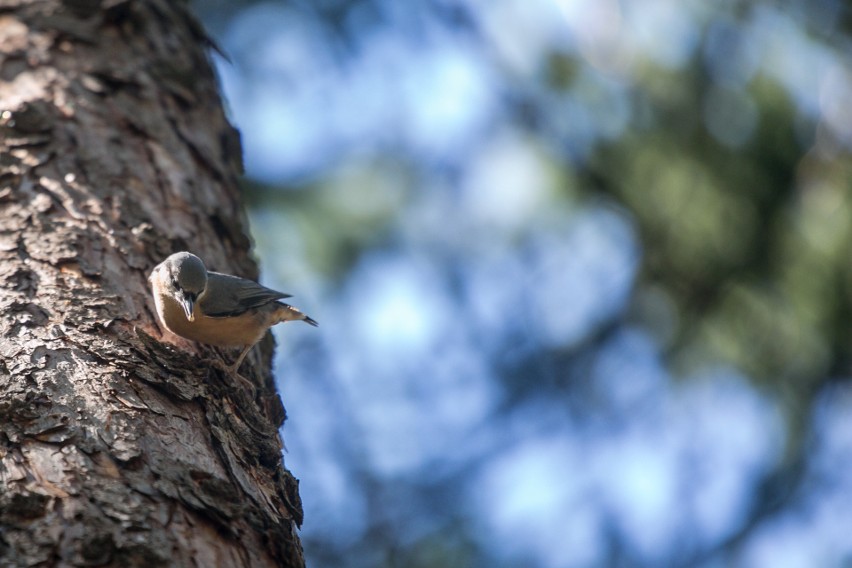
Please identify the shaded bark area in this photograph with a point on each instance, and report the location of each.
(120, 445)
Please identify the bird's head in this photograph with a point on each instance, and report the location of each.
(184, 278)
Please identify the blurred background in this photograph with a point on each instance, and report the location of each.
(582, 270)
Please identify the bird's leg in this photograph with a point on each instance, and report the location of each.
(233, 368)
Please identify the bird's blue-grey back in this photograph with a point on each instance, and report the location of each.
(228, 296)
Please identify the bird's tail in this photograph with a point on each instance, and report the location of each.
(286, 312)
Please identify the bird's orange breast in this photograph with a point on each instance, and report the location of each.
(244, 329)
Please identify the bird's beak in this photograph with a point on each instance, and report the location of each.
(187, 303)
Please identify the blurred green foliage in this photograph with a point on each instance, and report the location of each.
(733, 175)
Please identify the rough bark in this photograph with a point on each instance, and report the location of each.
(118, 444)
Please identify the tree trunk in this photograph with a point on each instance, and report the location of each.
(120, 445)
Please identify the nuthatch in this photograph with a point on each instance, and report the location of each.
(217, 309)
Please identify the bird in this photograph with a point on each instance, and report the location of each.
(214, 308)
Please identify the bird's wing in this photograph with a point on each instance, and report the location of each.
(228, 295)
